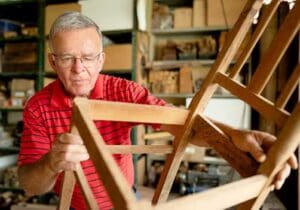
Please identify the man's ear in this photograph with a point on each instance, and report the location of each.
(52, 62)
(102, 60)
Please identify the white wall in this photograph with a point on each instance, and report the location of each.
(109, 14)
(231, 111)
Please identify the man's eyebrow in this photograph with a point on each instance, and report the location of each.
(63, 54)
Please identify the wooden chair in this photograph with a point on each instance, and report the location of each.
(197, 129)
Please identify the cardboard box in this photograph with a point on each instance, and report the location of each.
(217, 16)
(21, 90)
(194, 154)
(199, 13)
(183, 17)
(163, 81)
(55, 10)
(185, 80)
(118, 57)
(19, 57)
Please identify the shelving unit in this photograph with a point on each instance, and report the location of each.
(154, 63)
(31, 13)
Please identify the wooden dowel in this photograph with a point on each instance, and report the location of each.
(202, 97)
(68, 184)
(260, 104)
(115, 183)
(66, 192)
(279, 45)
(139, 149)
(263, 23)
(286, 144)
(222, 197)
(85, 187)
(289, 88)
(118, 111)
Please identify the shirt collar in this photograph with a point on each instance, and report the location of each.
(60, 98)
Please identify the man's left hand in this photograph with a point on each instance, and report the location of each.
(257, 143)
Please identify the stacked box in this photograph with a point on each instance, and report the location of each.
(19, 57)
(183, 17)
(163, 81)
(224, 15)
(55, 10)
(21, 90)
(185, 80)
(118, 57)
(199, 13)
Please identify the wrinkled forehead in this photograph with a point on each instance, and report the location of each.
(86, 39)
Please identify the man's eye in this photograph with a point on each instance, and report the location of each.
(66, 58)
(87, 58)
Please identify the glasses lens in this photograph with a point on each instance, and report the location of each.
(68, 61)
(65, 61)
(88, 61)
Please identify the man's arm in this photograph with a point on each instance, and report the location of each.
(66, 153)
(37, 178)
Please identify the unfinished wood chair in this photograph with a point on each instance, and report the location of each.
(196, 128)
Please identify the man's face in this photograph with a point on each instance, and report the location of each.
(77, 59)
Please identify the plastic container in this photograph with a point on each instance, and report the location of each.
(9, 25)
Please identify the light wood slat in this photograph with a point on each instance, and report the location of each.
(160, 136)
(116, 185)
(85, 188)
(217, 139)
(84, 185)
(260, 104)
(289, 88)
(201, 99)
(270, 60)
(218, 198)
(139, 149)
(68, 184)
(286, 144)
(66, 191)
(263, 23)
(118, 111)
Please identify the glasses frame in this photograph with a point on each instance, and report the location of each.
(74, 58)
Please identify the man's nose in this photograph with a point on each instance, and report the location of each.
(77, 65)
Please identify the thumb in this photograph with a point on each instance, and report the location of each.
(257, 152)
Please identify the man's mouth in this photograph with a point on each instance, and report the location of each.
(78, 82)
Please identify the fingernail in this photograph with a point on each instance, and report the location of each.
(262, 158)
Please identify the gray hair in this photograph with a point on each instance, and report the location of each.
(70, 21)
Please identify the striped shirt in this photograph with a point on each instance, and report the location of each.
(48, 113)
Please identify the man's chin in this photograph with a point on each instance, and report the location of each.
(80, 94)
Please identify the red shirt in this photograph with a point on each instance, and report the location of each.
(48, 113)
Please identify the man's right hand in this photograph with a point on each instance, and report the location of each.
(67, 152)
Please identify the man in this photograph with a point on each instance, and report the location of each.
(47, 148)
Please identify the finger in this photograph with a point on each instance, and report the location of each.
(71, 148)
(76, 157)
(293, 162)
(282, 175)
(257, 152)
(68, 138)
(70, 166)
(265, 139)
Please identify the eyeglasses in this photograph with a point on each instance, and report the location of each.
(66, 61)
